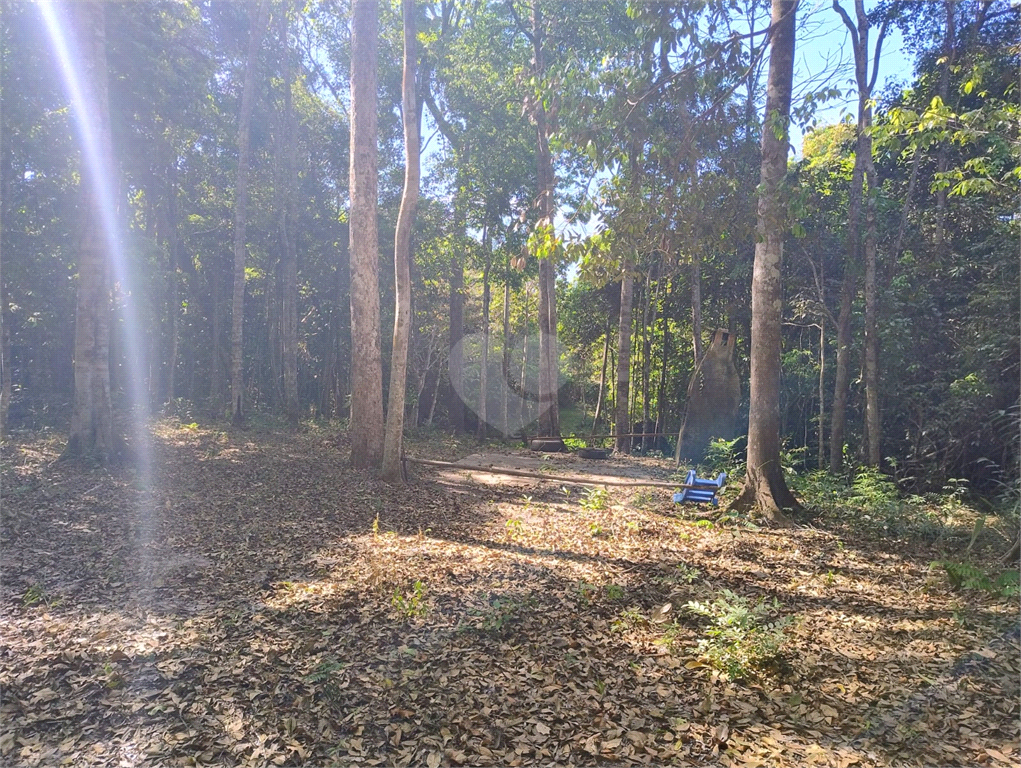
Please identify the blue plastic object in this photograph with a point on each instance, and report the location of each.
(701, 490)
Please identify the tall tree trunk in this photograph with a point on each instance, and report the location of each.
(602, 378)
(647, 322)
(455, 355)
(288, 235)
(7, 180)
(394, 446)
(505, 389)
(237, 320)
(622, 421)
(822, 392)
(696, 306)
(842, 372)
(873, 426)
(661, 397)
(549, 411)
(366, 364)
(92, 434)
(173, 285)
(483, 413)
(942, 156)
(523, 410)
(863, 167)
(765, 488)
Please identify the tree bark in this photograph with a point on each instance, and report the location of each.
(505, 389)
(237, 384)
(765, 489)
(822, 392)
(602, 378)
(873, 427)
(696, 306)
(622, 421)
(366, 420)
(455, 355)
(394, 446)
(549, 411)
(483, 413)
(173, 285)
(92, 435)
(288, 236)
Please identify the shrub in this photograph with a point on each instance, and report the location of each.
(743, 638)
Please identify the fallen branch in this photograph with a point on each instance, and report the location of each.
(551, 478)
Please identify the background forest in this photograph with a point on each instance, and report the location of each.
(901, 271)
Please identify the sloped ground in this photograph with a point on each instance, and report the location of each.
(257, 603)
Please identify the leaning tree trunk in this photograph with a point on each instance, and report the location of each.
(765, 489)
(92, 434)
(366, 423)
(394, 445)
(237, 320)
(622, 420)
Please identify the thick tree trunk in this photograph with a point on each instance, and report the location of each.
(288, 236)
(765, 489)
(92, 434)
(237, 320)
(622, 420)
(394, 446)
(523, 411)
(648, 321)
(366, 365)
(549, 410)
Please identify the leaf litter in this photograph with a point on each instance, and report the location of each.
(260, 604)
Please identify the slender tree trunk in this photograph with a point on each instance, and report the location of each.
(288, 235)
(5, 351)
(622, 422)
(661, 398)
(872, 416)
(647, 323)
(483, 413)
(394, 447)
(696, 306)
(523, 411)
(864, 169)
(602, 378)
(822, 392)
(455, 356)
(942, 156)
(366, 364)
(765, 488)
(173, 287)
(92, 435)
(505, 389)
(237, 320)
(549, 411)
(7, 176)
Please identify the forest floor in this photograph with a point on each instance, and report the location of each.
(256, 602)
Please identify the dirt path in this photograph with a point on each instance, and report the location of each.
(255, 602)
